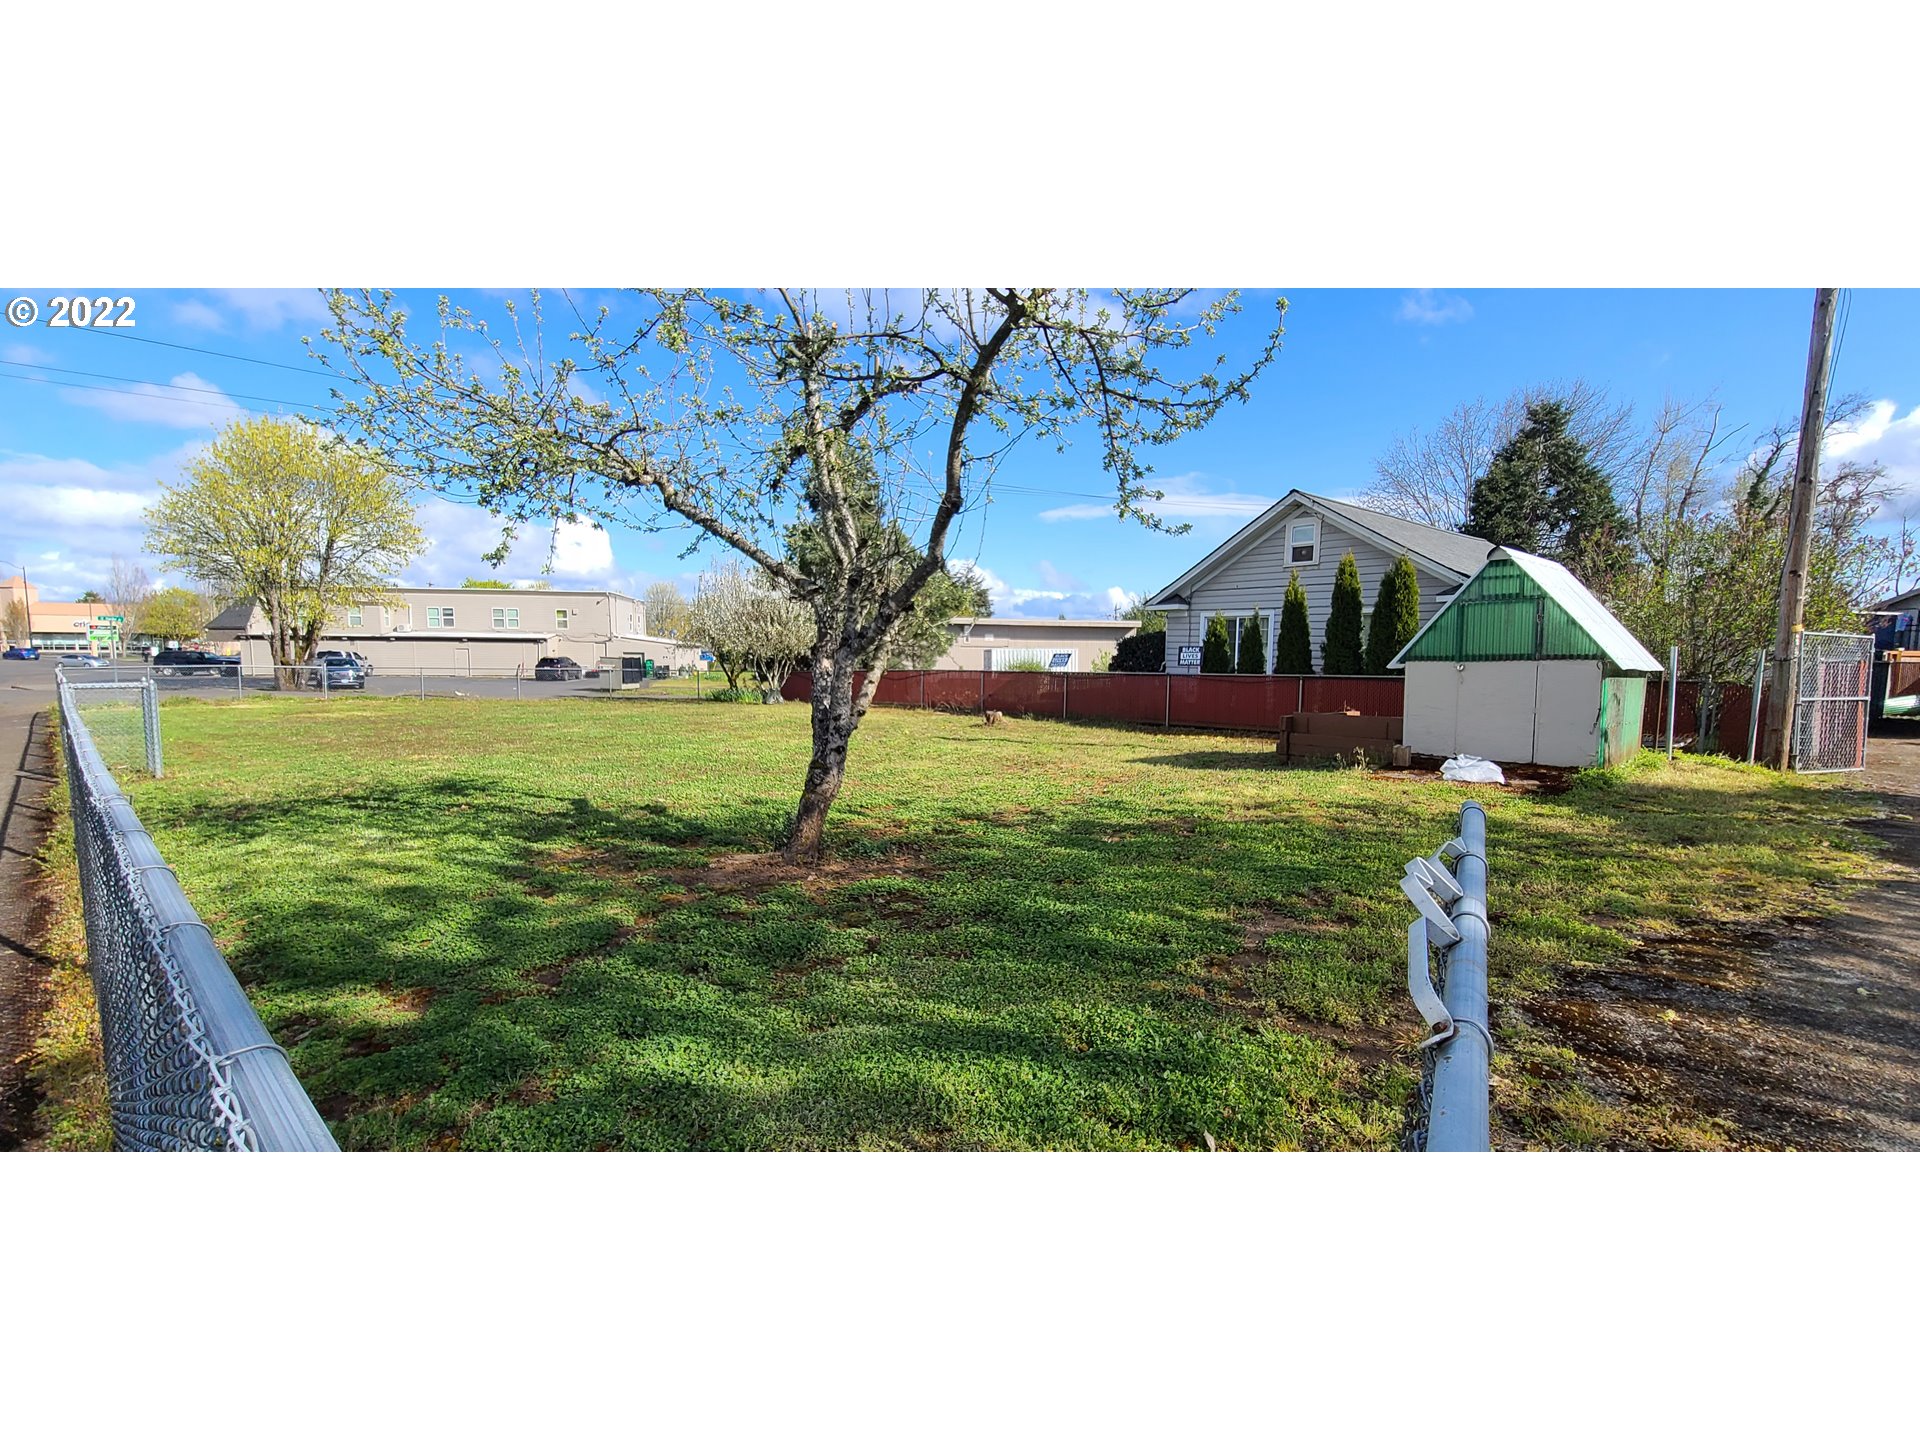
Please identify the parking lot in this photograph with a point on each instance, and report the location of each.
(29, 676)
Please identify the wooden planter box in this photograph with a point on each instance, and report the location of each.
(1340, 733)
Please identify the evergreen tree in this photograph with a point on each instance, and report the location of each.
(1396, 615)
(1253, 648)
(1216, 651)
(1341, 654)
(1543, 493)
(1293, 647)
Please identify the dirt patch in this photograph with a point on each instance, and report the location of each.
(1227, 986)
(1800, 1035)
(25, 967)
(754, 873)
(414, 1001)
(1521, 779)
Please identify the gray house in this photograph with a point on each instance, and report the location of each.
(1247, 575)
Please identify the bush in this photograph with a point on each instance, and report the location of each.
(1253, 647)
(733, 696)
(1144, 654)
(1216, 651)
(1027, 666)
(1341, 654)
(1396, 615)
(1293, 649)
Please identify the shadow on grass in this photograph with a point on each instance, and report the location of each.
(454, 963)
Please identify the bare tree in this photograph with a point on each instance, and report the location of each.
(1427, 475)
(738, 417)
(128, 590)
(666, 610)
(13, 622)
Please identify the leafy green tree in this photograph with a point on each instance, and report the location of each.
(1151, 622)
(730, 415)
(1216, 651)
(1293, 646)
(176, 614)
(1253, 648)
(1396, 615)
(666, 610)
(303, 524)
(1543, 493)
(1341, 654)
(472, 584)
(92, 597)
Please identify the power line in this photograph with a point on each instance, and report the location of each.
(109, 390)
(200, 350)
(165, 384)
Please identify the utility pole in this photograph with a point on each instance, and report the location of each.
(1793, 579)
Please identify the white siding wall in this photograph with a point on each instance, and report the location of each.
(1256, 580)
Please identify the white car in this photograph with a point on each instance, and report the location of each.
(85, 662)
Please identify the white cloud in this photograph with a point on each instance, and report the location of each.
(1186, 499)
(458, 535)
(263, 309)
(198, 404)
(1046, 603)
(199, 315)
(1882, 436)
(73, 516)
(1432, 307)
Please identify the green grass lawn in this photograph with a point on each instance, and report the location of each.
(482, 925)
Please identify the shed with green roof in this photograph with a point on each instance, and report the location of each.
(1523, 664)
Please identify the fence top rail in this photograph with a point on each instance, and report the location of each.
(252, 1081)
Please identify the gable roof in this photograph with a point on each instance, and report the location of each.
(1580, 605)
(1446, 554)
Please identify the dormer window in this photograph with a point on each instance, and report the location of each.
(1303, 542)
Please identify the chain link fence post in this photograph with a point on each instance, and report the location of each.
(1457, 1055)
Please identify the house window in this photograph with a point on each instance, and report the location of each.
(1303, 542)
(439, 617)
(559, 619)
(506, 618)
(353, 617)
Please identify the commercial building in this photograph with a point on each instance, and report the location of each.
(992, 642)
(57, 625)
(471, 631)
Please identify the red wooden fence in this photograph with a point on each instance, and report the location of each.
(1237, 702)
(1211, 702)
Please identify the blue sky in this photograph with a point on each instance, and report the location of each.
(1358, 368)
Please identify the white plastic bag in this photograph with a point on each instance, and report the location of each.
(1473, 770)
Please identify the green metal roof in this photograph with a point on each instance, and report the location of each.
(1520, 607)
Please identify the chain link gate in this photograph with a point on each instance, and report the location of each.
(1830, 709)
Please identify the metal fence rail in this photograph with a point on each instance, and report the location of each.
(189, 1065)
(1457, 1055)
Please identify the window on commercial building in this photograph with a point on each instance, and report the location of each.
(439, 617)
(1303, 542)
(559, 619)
(506, 618)
(353, 617)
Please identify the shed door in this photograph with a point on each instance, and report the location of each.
(1566, 713)
(1496, 709)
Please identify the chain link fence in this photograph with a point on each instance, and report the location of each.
(1830, 710)
(1452, 1107)
(189, 1065)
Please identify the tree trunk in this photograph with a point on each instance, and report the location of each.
(836, 715)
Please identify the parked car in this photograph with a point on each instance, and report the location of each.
(22, 652)
(84, 661)
(341, 672)
(366, 665)
(178, 661)
(557, 667)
